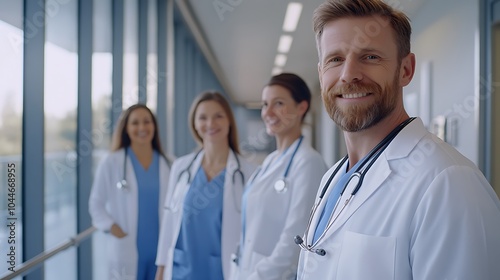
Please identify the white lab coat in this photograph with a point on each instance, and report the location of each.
(273, 219)
(108, 205)
(231, 214)
(424, 211)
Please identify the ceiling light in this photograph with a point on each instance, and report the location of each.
(285, 43)
(292, 16)
(276, 71)
(280, 60)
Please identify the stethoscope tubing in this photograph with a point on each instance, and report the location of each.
(287, 170)
(360, 173)
(293, 156)
(237, 170)
(123, 184)
(187, 171)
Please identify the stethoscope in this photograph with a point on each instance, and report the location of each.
(359, 174)
(122, 185)
(184, 178)
(281, 185)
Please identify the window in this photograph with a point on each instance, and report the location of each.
(130, 54)
(11, 110)
(60, 108)
(102, 86)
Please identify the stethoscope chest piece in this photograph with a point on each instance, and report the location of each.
(280, 186)
(122, 185)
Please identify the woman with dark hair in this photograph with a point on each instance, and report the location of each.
(127, 195)
(278, 197)
(202, 221)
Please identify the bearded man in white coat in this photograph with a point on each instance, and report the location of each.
(402, 204)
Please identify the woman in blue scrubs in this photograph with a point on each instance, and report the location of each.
(201, 223)
(128, 193)
(148, 181)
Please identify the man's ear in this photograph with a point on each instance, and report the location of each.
(407, 69)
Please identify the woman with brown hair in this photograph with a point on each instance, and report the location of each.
(277, 199)
(127, 195)
(200, 226)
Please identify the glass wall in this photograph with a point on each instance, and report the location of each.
(11, 109)
(59, 68)
(60, 101)
(102, 74)
(102, 87)
(130, 54)
(152, 57)
(193, 75)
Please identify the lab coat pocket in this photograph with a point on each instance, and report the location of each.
(119, 210)
(215, 267)
(123, 247)
(121, 263)
(181, 267)
(365, 257)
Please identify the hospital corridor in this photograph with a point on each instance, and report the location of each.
(128, 126)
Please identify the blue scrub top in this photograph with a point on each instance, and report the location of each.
(197, 253)
(332, 199)
(148, 188)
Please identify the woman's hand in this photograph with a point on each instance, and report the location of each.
(117, 231)
(159, 272)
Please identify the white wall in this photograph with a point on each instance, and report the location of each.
(327, 135)
(445, 33)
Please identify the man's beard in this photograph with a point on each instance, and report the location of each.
(361, 116)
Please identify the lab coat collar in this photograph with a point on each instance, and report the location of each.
(196, 163)
(377, 174)
(231, 167)
(271, 164)
(400, 147)
(231, 164)
(406, 140)
(322, 202)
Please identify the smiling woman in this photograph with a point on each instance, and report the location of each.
(207, 227)
(277, 199)
(212, 125)
(130, 212)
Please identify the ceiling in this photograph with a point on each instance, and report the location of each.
(241, 38)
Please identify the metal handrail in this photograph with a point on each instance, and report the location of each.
(33, 263)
